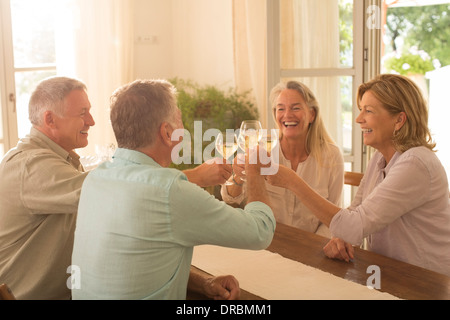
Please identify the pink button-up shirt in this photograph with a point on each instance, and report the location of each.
(404, 210)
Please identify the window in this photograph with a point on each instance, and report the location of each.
(321, 45)
(33, 48)
(28, 53)
(416, 45)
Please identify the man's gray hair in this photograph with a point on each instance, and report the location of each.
(139, 108)
(49, 95)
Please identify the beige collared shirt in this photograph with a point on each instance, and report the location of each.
(40, 185)
(327, 180)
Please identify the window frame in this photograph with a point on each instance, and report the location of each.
(8, 95)
(366, 44)
(7, 89)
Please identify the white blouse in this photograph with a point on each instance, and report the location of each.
(403, 208)
(327, 180)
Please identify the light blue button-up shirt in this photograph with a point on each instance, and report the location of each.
(138, 223)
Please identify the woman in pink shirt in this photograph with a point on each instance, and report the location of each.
(402, 205)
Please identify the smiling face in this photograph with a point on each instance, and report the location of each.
(377, 124)
(72, 129)
(293, 115)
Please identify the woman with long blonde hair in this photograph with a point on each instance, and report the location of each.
(307, 149)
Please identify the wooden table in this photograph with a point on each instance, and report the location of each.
(400, 279)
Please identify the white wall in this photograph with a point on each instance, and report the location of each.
(440, 113)
(189, 39)
(153, 18)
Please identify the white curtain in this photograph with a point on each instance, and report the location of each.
(315, 33)
(95, 43)
(309, 39)
(249, 27)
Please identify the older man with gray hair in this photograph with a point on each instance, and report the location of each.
(138, 220)
(40, 183)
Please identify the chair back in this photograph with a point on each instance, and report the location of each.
(353, 178)
(6, 293)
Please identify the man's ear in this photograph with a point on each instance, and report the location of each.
(49, 119)
(165, 132)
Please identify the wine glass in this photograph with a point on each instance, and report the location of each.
(250, 134)
(226, 145)
(269, 140)
(251, 129)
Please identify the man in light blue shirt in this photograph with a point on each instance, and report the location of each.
(138, 220)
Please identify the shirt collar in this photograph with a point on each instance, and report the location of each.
(44, 140)
(134, 156)
(381, 164)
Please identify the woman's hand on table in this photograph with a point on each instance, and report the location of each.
(338, 249)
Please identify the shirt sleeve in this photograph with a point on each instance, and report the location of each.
(199, 218)
(229, 199)
(50, 185)
(405, 187)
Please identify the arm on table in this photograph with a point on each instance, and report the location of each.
(339, 249)
(321, 207)
(218, 288)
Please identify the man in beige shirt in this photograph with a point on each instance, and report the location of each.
(40, 186)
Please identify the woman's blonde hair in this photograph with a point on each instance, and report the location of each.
(318, 139)
(400, 94)
(139, 108)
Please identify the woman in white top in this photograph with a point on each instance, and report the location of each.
(306, 148)
(402, 204)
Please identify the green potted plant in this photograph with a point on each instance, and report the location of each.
(213, 108)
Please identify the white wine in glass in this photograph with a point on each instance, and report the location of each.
(251, 129)
(226, 145)
(269, 140)
(249, 135)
